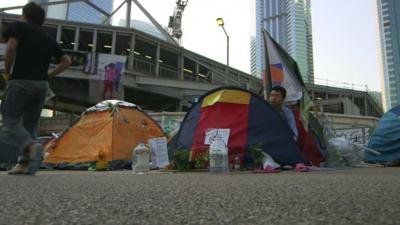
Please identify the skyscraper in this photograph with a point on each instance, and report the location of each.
(289, 23)
(253, 56)
(389, 29)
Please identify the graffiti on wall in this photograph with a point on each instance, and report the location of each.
(358, 136)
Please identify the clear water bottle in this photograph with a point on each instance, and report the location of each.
(140, 159)
(101, 164)
(218, 153)
(236, 162)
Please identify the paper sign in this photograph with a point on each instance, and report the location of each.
(211, 134)
(159, 152)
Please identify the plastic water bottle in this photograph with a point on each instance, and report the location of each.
(218, 152)
(101, 164)
(140, 159)
(236, 163)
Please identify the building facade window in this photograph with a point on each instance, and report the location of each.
(67, 38)
(104, 42)
(85, 40)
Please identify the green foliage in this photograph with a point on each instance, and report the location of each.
(181, 160)
(201, 161)
(256, 151)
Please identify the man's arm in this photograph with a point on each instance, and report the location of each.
(64, 63)
(11, 51)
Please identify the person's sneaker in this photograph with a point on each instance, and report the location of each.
(30, 162)
(20, 168)
(22, 165)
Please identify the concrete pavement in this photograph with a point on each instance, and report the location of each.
(356, 196)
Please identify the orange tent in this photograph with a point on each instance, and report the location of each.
(114, 127)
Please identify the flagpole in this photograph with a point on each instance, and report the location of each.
(267, 84)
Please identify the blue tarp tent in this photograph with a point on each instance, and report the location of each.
(386, 138)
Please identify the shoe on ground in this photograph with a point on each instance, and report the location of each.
(300, 167)
(20, 168)
(29, 163)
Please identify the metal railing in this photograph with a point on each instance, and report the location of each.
(168, 73)
(350, 86)
(331, 83)
(215, 77)
(143, 66)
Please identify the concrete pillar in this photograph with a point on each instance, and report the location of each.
(132, 54)
(180, 66)
(157, 69)
(76, 39)
(94, 40)
(197, 71)
(179, 107)
(113, 42)
(58, 37)
(365, 106)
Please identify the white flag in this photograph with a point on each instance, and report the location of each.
(280, 73)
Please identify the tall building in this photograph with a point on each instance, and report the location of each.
(389, 29)
(253, 56)
(289, 23)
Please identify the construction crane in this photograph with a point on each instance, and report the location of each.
(175, 21)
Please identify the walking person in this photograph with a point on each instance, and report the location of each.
(27, 58)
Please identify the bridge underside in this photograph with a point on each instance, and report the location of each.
(73, 95)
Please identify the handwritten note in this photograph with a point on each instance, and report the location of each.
(159, 152)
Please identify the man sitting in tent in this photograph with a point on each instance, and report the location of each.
(276, 100)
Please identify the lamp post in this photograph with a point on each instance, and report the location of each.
(221, 23)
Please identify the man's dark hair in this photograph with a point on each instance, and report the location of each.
(280, 89)
(34, 13)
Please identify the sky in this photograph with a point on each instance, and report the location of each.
(345, 34)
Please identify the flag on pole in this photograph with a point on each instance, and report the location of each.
(281, 70)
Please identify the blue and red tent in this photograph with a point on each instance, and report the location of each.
(250, 120)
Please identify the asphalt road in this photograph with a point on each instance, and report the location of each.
(356, 196)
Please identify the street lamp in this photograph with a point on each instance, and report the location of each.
(221, 23)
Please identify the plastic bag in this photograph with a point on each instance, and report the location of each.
(269, 161)
(341, 152)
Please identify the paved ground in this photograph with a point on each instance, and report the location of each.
(357, 196)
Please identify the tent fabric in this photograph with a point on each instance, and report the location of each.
(107, 104)
(386, 138)
(115, 132)
(307, 142)
(231, 96)
(250, 119)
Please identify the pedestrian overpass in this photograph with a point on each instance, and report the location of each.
(159, 74)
